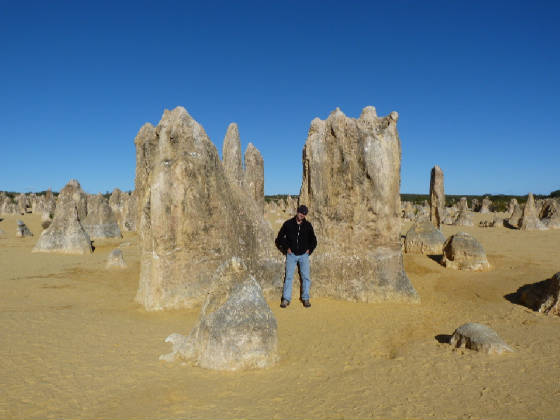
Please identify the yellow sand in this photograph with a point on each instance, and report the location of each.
(73, 344)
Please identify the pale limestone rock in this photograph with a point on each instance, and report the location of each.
(236, 329)
(450, 216)
(231, 155)
(542, 296)
(100, 221)
(463, 218)
(115, 259)
(66, 234)
(516, 215)
(253, 180)
(424, 238)
(409, 212)
(463, 252)
(480, 338)
(511, 207)
(191, 217)
(22, 230)
(529, 219)
(351, 180)
(129, 212)
(437, 197)
(485, 206)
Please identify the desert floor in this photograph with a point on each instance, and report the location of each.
(73, 344)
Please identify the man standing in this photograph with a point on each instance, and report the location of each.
(297, 239)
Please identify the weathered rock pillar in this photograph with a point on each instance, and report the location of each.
(351, 182)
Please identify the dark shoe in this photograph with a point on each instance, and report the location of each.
(284, 303)
(306, 303)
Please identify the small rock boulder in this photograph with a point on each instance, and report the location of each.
(424, 238)
(116, 259)
(22, 230)
(236, 329)
(479, 337)
(463, 252)
(542, 296)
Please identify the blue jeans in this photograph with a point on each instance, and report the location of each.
(291, 261)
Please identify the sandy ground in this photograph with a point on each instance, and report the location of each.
(73, 344)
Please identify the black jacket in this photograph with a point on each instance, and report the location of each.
(299, 238)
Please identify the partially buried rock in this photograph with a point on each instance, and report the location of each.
(542, 296)
(22, 230)
(463, 252)
(65, 234)
(479, 337)
(236, 329)
(116, 259)
(424, 238)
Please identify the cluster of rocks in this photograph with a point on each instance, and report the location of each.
(78, 218)
(532, 217)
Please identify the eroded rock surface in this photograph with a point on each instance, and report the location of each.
(253, 177)
(479, 337)
(463, 252)
(22, 230)
(66, 234)
(192, 217)
(529, 219)
(424, 238)
(100, 221)
(236, 329)
(437, 197)
(351, 180)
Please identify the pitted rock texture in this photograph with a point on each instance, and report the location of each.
(100, 221)
(437, 197)
(191, 217)
(424, 238)
(480, 338)
(351, 181)
(542, 296)
(236, 329)
(66, 234)
(463, 252)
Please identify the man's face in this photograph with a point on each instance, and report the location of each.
(300, 216)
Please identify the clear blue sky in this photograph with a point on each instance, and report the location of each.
(476, 85)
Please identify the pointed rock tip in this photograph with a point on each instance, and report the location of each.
(394, 116)
(337, 113)
(74, 183)
(368, 113)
